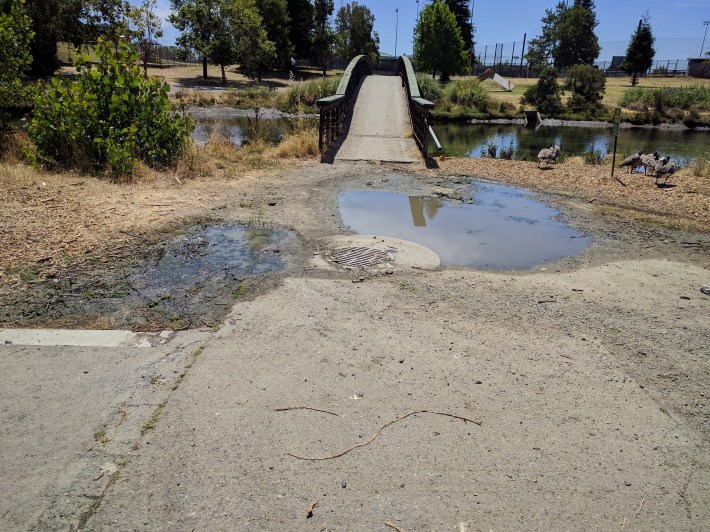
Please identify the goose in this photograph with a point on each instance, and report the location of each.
(549, 154)
(664, 168)
(649, 160)
(632, 161)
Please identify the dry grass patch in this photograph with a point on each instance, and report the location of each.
(685, 204)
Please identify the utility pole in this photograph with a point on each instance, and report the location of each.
(702, 46)
(470, 55)
(396, 28)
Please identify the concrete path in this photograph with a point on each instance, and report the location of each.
(380, 129)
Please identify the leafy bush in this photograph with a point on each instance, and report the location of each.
(467, 93)
(15, 37)
(587, 85)
(693, 97)
(109, 117)
(307, 92)
(545, 94)
(429, 88)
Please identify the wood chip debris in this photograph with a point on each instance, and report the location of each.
(311, 507)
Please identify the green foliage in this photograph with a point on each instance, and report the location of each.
(640, 52)
(109, 117)
(15, 36)
(307, 92)
(429, 88)
(277, 22)
(324, 36)
(693, 97)
(587, 85)
(354, 33)
(577, 42)
(542, 49)
(146, 30)
(545, 94)
(438, 45)
(467, 93)
(462, 11)
(301, 28)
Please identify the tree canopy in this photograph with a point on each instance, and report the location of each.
(277, 23)
(323, 36)
(354, 33)
(577, 42)
(462, 12)
(567, 37)
(301, 28)
(640, 53)
(438, 45)
(147, 29)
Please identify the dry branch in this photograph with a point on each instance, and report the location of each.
(305, 408)
(374, 436)
(392, 525)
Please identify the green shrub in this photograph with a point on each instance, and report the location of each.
(467, 93)
(695, 97)
(15, 37)
(307, 92)
(109, 117)
(429, 88)
(545, 94)
(587, 85)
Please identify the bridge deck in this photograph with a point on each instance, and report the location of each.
(380, 129)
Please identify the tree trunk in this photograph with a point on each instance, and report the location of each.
(633, 80)
(204, 67)
(224, 76)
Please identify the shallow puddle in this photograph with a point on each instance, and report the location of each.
(191, 280)
(504, 228)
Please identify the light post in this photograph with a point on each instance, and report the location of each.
(702, 46)
(396, 28)
(417, 10)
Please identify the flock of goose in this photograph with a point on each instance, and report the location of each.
(659, 167)
(662, 167)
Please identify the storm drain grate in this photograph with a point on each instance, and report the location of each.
(360, 256)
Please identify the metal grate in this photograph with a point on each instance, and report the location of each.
(360, 256)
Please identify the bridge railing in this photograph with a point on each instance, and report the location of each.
(419, 108)
(333, 108)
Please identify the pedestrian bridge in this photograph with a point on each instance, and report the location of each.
(375, 118)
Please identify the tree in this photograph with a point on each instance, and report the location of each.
(199, 21)
(545, 94)
(276, 21)
(54, 21)
(301, 29)
(15, 37)
(542, 49)
(147, 30)
(354, 33)
(640, 53)
(323, 38)
(438, 45)
(587, 85)
(462, 12)
(577, 42)
(252, 49)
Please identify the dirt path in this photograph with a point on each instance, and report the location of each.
(589, 379)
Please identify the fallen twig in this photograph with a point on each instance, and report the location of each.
(619, 180)
(392, 525)
(623, 524)
(305, 408)
(640, 506)
(368, 442)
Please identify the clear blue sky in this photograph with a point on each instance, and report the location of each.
(677, 24)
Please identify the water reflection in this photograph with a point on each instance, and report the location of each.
(471, 140)
(504, 228)
(239, 129)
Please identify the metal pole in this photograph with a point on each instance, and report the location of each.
(522, 55)
(702, 46)
(485, 55)
(512, 58)
(396, 28)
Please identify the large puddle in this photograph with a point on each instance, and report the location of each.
(504, 228)
(191, 280)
